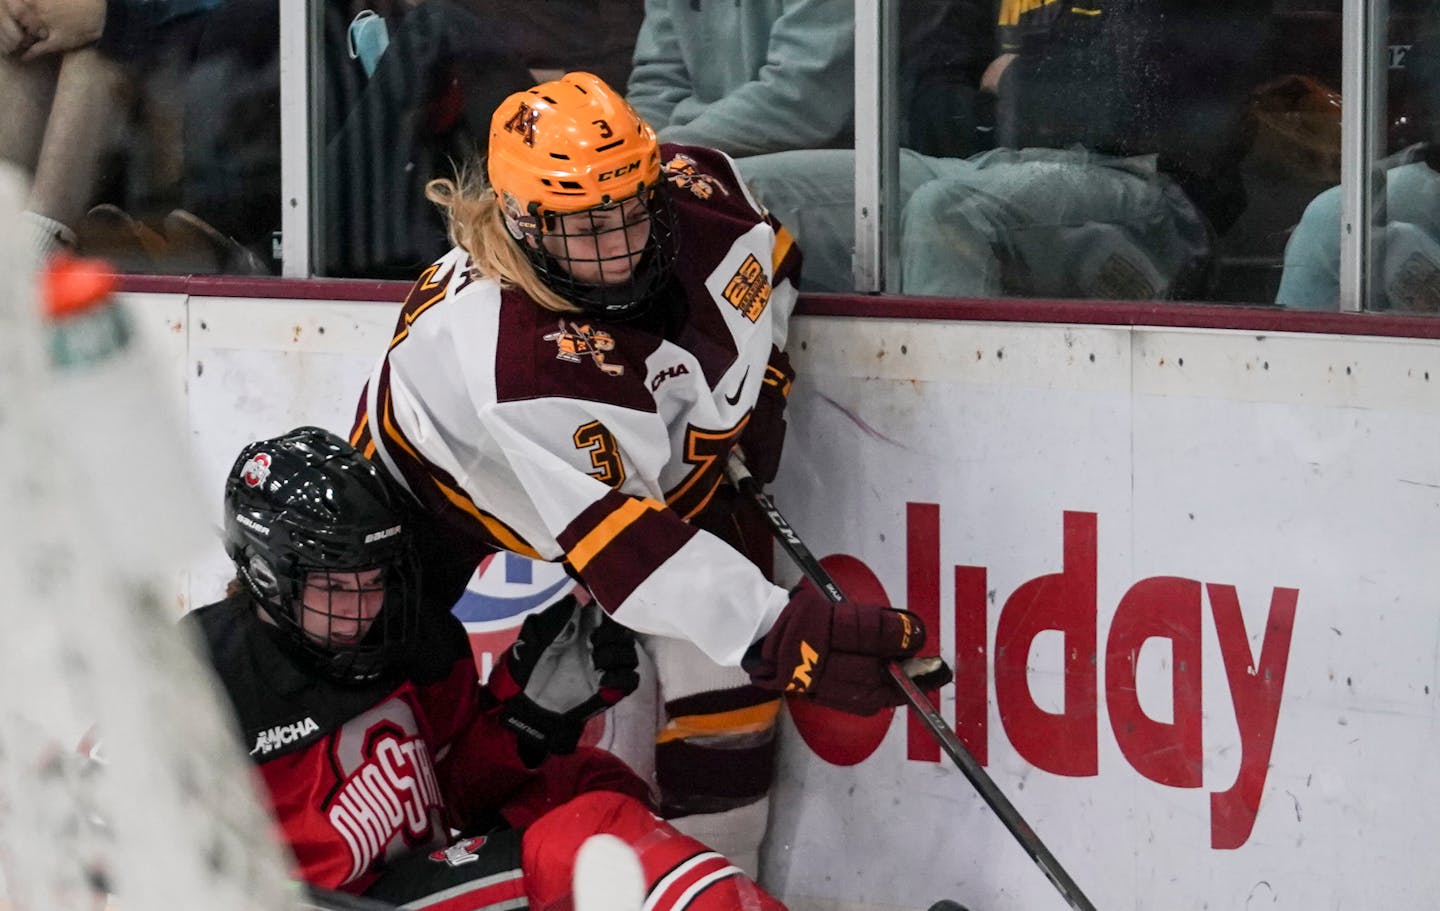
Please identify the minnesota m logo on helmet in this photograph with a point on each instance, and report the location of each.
(570, 145)
(523, 122)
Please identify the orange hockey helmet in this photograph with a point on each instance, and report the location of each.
(574, 146)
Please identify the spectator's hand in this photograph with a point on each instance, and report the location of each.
(13, 37)
(59, 25)
(990, 80)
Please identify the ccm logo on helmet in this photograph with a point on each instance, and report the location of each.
(619, 172)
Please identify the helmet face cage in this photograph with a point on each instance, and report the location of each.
(632, 239)
(578, 176)
(318, 541)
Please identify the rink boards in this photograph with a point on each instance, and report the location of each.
(1187, 577)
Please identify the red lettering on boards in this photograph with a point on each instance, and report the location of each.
(1164, 609)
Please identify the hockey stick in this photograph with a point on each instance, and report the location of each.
(785, 533)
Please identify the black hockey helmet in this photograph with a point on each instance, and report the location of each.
(319, 538)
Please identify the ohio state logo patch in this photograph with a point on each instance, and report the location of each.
(256, 470)
(465, 851)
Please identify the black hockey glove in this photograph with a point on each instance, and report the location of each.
(763, 438)
(569, 663)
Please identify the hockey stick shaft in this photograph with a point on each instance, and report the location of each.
(791, 542)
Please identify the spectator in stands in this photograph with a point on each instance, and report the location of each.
(1408, 273)
(408, 89)
(61, 74)
(556, 36)
(1120, 126)
(567, 384)
(748, 77)
(371, 734)
(421, 101)
(67, 98)
(759, 78)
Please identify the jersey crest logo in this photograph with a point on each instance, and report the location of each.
(748, 289)
(682, 172)
(574, 342)
(256, 470)
(523, 122)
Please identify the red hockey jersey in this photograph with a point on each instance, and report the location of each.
(360, 775)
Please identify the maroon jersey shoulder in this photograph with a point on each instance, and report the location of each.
(702, 183)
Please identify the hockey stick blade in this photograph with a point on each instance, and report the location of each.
(919, 703)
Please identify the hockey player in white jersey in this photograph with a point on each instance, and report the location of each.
(567, 384)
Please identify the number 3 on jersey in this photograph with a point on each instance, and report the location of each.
(604, 453)
(705, 452)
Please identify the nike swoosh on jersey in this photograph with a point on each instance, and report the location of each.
(733, 399)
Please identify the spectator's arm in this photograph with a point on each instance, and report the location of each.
(130, 24)
(659, 79)
(803, 97)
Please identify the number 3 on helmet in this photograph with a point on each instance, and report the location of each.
(578, 175)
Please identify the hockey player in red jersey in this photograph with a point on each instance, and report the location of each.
(391, 772)
(567, 384)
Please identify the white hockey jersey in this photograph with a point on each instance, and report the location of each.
(561, 437)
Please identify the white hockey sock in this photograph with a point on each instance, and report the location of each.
(735, 833)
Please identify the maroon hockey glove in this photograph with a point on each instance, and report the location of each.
(764, 435)
(836, 653)
(569, 663)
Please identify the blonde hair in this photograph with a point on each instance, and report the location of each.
(476, 223)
